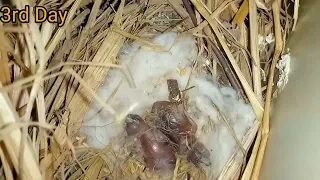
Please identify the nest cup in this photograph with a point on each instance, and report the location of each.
(50, 76)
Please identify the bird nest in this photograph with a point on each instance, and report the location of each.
(50, 73)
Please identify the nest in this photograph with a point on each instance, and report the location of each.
(46, 72)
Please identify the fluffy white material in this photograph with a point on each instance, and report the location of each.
(270, 38)
(263, 41)
(150, 71)
(284, 68)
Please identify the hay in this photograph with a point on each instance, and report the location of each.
(49, 76)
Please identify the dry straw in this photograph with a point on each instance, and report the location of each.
(49, 76)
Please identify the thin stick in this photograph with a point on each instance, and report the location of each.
(57, 37)
(254, 49)
(6, 166)
(153, 46)
(82, 82)
(21, 150)
(190, 10)
(6, 129)
(295, 14)
(107, 101)
(266, 115)
(215, 13)
(209, 33)
(5, 78)
(227, 69)
(94, 95)
(224, 63)
(242, 13)
(181, 11)
(175, 172)
(251, 96)
(249, 168)
(12, 141)
(226, 122)
(44, 73)
(84, 34)
(15, 29)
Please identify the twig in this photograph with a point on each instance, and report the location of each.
(12, 141)
(226, 122)
(5, 78)
(190, 11)
(187, 89)
(175, 172)
(31, 78)
(15, 29)
(227, 69)
(251, 96)
(295, 14)
(254, 49)
(214, 14)
(49, 70)
(224, 63)
(181, 11)
(250, 165)
(242, 13)
(5, 165)
(266, 115)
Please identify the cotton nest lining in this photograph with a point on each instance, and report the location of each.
(221, 116)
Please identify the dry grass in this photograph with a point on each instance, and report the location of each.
(47, 81)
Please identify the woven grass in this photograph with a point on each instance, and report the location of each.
(47, 80)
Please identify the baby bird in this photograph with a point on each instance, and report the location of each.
(199, 154)
(157, 152)
(173, 122)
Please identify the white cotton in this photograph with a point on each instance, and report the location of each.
(270, 38)
(219, 141)
(150, 71)
(263, 41)
(284, 69)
